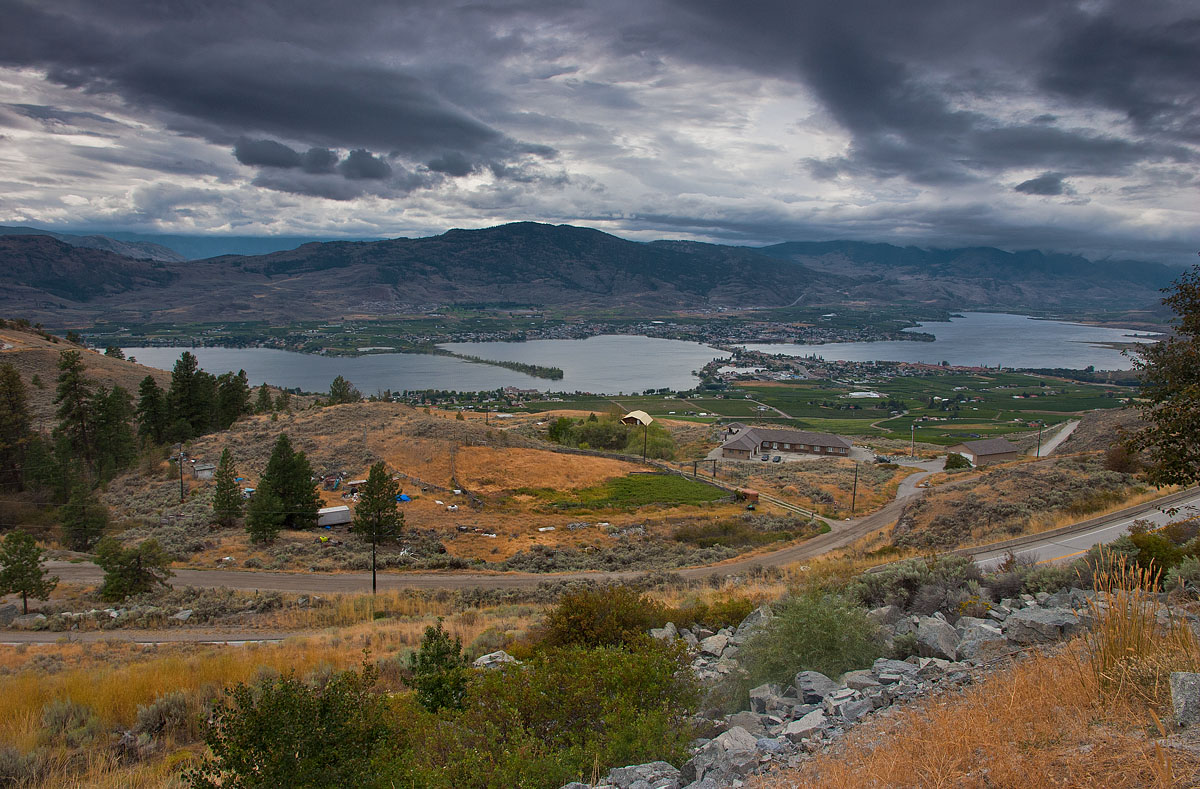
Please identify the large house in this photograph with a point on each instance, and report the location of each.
(989, 450)
(745, 443)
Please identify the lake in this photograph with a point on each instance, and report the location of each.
(600, 365)
(987, 339)
(613, 364)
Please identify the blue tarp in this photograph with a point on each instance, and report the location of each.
(403, 497)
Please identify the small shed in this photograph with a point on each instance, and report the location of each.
(203, 470)
(987, 451)
(746, 494)
(333, 516)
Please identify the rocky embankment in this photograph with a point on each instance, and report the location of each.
(783, 725)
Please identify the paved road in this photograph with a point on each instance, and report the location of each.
(1062, 435)
(1064, 547)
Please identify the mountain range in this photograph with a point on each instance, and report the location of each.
(64, 282)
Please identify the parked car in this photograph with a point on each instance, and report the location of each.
(777, 459)
(765, 458)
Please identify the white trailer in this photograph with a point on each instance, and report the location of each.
(333, 516)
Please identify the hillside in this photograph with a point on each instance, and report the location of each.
(138, 250)
(559, 267)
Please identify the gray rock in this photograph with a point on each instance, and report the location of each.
(936, 638)
(575, 785)
(906, 625)
(886, 615)
(772, 744)
(7, 614)
(665, 633)
(860, 680)
(183, 615)
(1041, 625)
(494, 659)
(29, 622)
(735, 740)
(691, 639)
(882, 665)
(764, 697)
(1185, 697)
(805, 727)
(757, 619)
(854, 711)
(813, 686)
(653, 775)
(714, 645)
(751, 722)
(981, 647)
(704, 783)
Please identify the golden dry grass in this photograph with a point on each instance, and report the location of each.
(489, 470)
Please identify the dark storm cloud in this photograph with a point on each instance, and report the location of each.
(265, 153)
(318, 160)
(42, 112)
(899, 78)
(1047, 184)
(361, 164)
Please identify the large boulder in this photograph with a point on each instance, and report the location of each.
(494, 659)
(8, 613)
(1041, 625)
(714, 645)
(813, 686)
(1185, 697)
(886, 615)
(860, 680)
(30, 622)
(653, 775)
(765, 697)
(807, 726)
(731, 755)
(936, 638)
(665, 633)
(755, 621)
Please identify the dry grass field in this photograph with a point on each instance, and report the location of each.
(824, 484)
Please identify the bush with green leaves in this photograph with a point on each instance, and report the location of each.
(899, 583)
(605, 616)
(556, 718)
(70, 723)
(439, 670)
(131, 571)
(1184, 576)
(171, 715)
(956, 461)
(284, 732)
(813, 631)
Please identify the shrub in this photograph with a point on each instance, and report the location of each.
(283, 732)
(607, 616)
(956, 461)
(728, 612)
(439, 669)
(899, 583)
(16, 768)
(1049, 578)
(70, 723)
(557, 718)
(1184, 576)
(812, 632)
(168, 715)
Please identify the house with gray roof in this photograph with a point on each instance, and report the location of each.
(751, 441)
(986, 451)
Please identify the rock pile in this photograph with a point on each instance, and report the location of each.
(782, 724)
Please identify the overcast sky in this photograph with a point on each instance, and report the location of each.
(1020, 124)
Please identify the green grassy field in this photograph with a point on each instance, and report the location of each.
(635, 490)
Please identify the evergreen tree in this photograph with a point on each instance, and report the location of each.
(83, 518)
(227, 499)
(439, 670)
(289, 476)
(116, 445)
(264, 516)
(21, 570)
(342, 391)
(191, 400)
(151, 411)
(114, 352)
(15, 432)
(284, 401)
(376, 517)
(263, 403)
(130, 571)
(233, 398)
(74, 413)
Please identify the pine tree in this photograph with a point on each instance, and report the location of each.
(289, 476)
(376, 517)
(130, 571)
(21, 570)
(151, 411)
(284, 401)
(74, 413)
(264, 516)
(84, 518)
(227, 499)
(233, 398)
(342, 391)
(15, 432)
(191, 400)
(116, 445)
(114, 352)
(263, 403)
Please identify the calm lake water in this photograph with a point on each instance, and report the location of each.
(601, 365)
(624, 364)
(988, 339)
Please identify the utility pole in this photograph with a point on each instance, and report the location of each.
(645, 435)
(374, 539)
(854, 495)
(912, 439)
(179, 459)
